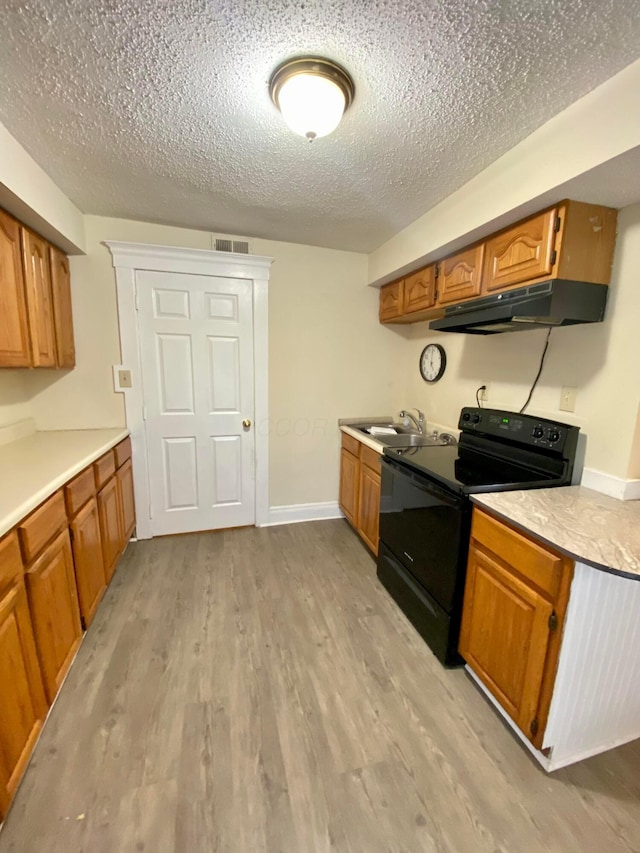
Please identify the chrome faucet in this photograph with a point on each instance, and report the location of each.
(420, 422)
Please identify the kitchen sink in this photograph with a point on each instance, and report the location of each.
(410, 439)
(404, 436)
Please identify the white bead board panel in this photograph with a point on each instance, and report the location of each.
(596, 700)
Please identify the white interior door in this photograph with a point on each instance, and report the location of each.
(196, 353)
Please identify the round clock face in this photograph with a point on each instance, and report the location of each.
(433, 362)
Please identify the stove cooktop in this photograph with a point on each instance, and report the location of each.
(467, 471)
(498, 451)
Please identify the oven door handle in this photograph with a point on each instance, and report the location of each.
(422, 482)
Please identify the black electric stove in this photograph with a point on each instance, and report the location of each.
(425, 510)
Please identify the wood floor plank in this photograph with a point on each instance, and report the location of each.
(257, 691)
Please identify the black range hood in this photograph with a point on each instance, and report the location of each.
(557, 302)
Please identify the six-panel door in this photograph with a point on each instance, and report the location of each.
(196, 339)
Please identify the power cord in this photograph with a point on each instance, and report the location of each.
(535, 381)
(478, 400)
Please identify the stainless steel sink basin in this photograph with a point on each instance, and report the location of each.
(412, 439)
(400, 429)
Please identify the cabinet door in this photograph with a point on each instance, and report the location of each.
(349, 485)
(38, 288)
(460, 276)
(23, 706)
(15, 350)
(88, 560)
(124, 477)
(391, 301)
(53, 602)
(369, 507)
(522, 253)
(420, 290)
(62, 317)
(504, 637)
(111, 532)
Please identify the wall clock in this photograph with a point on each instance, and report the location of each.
(433, 362)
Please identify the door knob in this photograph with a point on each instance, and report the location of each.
(246, 423)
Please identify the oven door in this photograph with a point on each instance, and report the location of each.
(427, 528)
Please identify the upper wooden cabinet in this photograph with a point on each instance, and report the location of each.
(62, 317)
(37, 277)
(411, 299)
(36, 326)
(522, 253)
(571, 240)
(515, 599)
(460, 276)
(15, 347)
(391, 301)
(420, 290)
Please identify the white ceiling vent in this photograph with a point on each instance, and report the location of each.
(227, 243)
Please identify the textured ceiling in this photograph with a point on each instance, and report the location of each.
(158, 109)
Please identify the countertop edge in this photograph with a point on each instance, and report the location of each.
(18, 513)
(477, 500)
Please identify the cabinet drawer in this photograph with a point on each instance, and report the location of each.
(10, 560)
(534, 562)
(104, 468)
(351, 444)
(79, 490)
(123, 452)
(370, 458)
(42, 525)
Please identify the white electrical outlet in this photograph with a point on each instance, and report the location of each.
(483, 394)
(568, 399)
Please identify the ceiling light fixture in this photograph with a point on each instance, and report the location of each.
(312, 94)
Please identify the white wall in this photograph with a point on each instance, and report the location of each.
(599, 360)
(329, 357)
(15, 401)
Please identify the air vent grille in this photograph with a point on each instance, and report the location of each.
(239, 245)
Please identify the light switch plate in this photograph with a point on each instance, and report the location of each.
(122, 379)
(568, 399)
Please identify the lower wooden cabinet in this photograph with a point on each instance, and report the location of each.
(360, 489)
(515, 600)
(53, 602)
(369, 508)
(124, 476)
(23, 706)
(110, 525)
(349, 485)
(88, 560)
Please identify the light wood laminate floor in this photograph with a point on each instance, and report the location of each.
(257, 690)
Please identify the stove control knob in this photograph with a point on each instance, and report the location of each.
(538, 432)
(466, 416)
(554, 435)
(476, 419)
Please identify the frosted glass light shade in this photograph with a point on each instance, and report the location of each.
(311, 106)
(312, 94)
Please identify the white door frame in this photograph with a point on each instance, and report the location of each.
(129, 257)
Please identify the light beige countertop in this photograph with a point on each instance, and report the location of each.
(590, 527)
(363, 438)
(34, 467)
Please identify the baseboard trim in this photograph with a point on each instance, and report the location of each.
(302, 512)
(615, 487)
